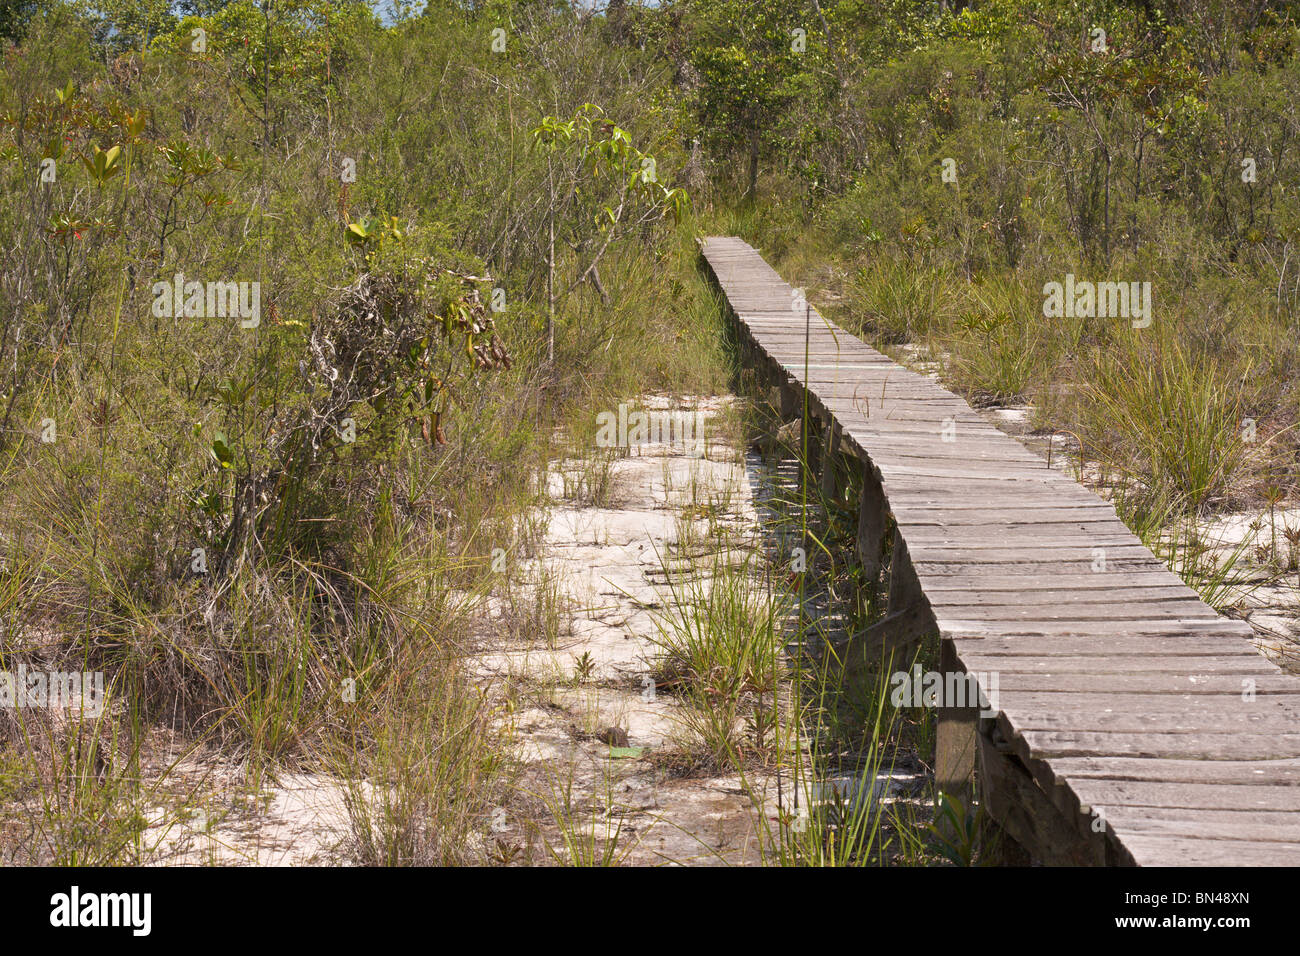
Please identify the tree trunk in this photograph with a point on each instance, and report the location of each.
(550, 269)
(751, 192)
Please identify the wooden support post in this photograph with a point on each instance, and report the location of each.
(904, 588)
(775, 398)
(955, 732)
(828, 480)
(893, 637)
(908, 618)
(791, 399)
(815, 447)
(1016, 803)
(955, 727)
(872, 520)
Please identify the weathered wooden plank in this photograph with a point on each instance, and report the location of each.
(1143, 684)
(1045, 593)
(1041, 563)
(1112, 664)
(977, 509)
(1012, 628)
(1025, 608)
(1021, 539)
(1051, 744)
(1185, 850)
(1254, 773)
(1048, 526)
(930, 446)
(1049, 489)
(1188, 796)
(1104, 700)
(993, 492)
(1174, 642)
(1029, 713)
(1263, 826)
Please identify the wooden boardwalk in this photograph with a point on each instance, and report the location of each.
(1126, 729)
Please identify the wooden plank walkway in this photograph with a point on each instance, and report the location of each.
(1121, 705)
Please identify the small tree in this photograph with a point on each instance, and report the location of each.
(750, 59)
(600, 189)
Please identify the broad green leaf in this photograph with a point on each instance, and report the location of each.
(221, 451)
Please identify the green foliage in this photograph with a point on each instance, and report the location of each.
(718, 647)
(236, 518)
(14, 17)
(1172, 414)
(754, 60)
(956, 829)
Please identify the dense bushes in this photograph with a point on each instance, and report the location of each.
(241, 513)
(1011, 144)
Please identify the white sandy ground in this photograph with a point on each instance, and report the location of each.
(608, 563)
(199, 808)
(298, 820)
